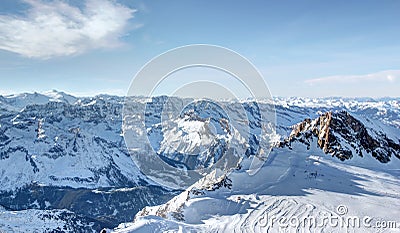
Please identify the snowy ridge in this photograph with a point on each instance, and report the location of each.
(19, 101)
(383, 109)
(62, 152)
(70, 155)
(49, 144)
(293, 185)
(298, 181)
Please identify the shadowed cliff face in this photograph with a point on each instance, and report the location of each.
(343, 136)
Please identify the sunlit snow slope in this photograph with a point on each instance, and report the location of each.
(337, 173)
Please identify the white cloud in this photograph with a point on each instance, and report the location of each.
(55, 28)
(383, 76)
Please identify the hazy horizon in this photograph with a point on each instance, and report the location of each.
(47, 92)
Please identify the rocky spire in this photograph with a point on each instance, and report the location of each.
(343, 136)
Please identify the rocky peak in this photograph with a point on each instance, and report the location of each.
(342, 135)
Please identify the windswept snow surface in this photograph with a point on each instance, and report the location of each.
(292, 190)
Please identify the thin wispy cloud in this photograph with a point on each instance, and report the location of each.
(55, 28)
(383, 76)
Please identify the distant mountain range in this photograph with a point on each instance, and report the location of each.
(64, 158)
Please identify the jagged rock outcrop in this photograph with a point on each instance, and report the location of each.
(174, 208)
(343, 136)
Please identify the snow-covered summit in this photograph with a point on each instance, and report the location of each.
(298, 180)
(19, 101)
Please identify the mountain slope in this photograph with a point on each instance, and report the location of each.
(62, 155)
(294, 185)
(45, 221)
(298, 182)
(59, 152)
(19, 101)
(49, 144)
(343, 136)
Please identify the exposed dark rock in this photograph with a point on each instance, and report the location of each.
(343, 136)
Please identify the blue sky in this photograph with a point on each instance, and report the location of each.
(302, 48)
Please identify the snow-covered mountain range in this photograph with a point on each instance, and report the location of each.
(65, 156)
(335, 173)
(62, 152)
